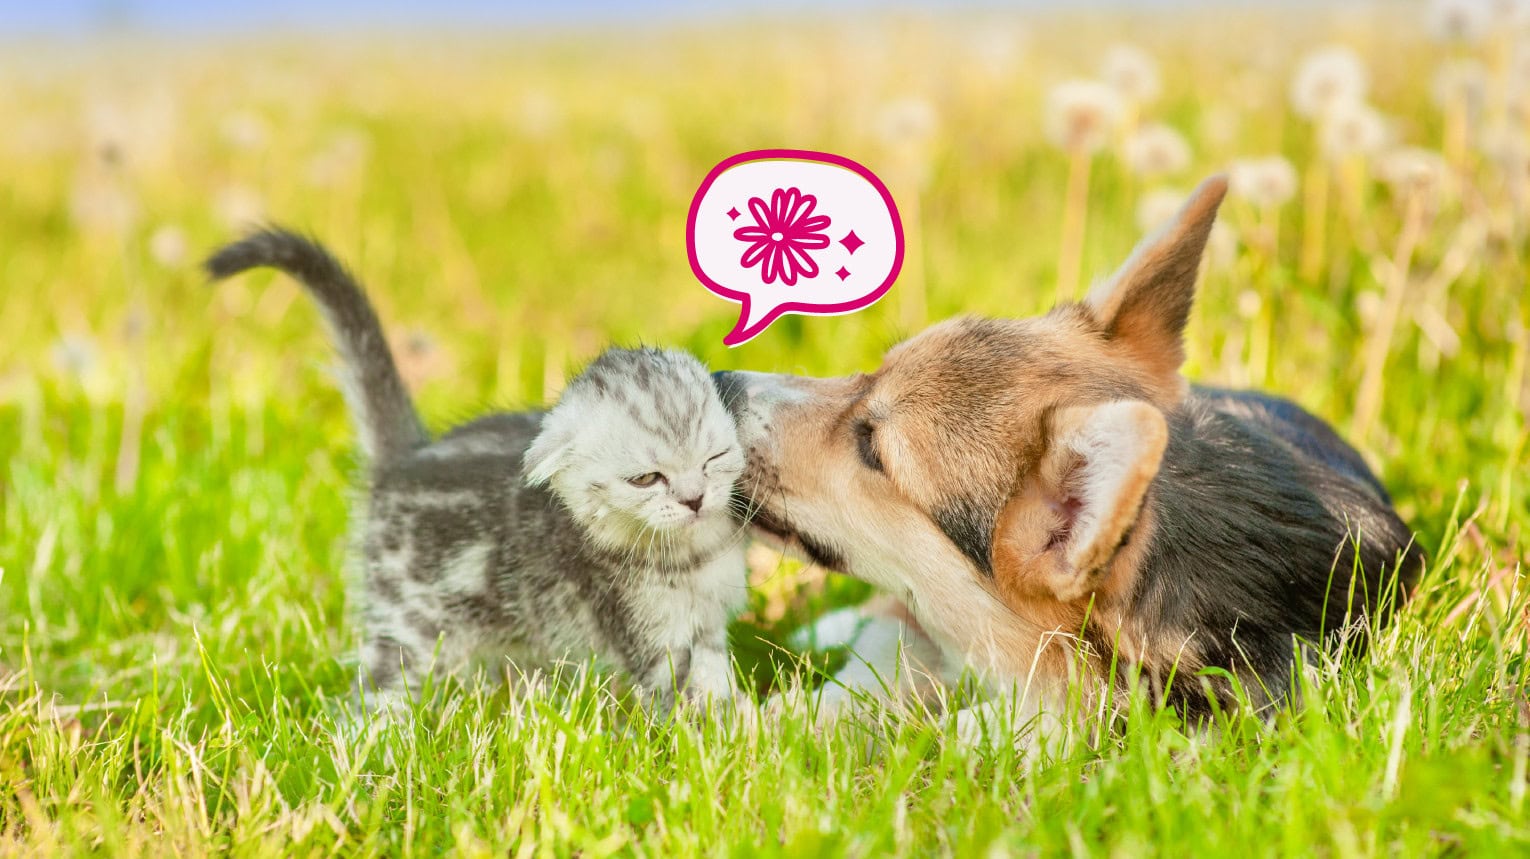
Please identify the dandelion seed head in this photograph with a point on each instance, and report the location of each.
(1249, 303)
(74, 354)
(244, 130)
(168, 245)
(1414, 172)
(1511, 13)
(1132, 72)
(907, 120)
(101, 204)
(1265, 182)
(996, 49)
(1081, 115)
(1158, 207)
(238, 207)
(1504, 144)
(1327, 78)
(1467, 21)
(1353, 129)
(1156, 149)
(1222, 245)
(1461, 83)
(1368, 307)
(343, 158)
(135, 130)
(538, 115)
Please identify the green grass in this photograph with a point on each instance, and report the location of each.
(174, 628)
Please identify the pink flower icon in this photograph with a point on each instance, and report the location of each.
(782, 235)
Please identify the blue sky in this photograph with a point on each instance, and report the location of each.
(26, 17)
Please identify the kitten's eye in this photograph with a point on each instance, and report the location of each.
(716, 457)
(645, 480)
(865, 447)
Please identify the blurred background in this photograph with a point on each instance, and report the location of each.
(512, 180)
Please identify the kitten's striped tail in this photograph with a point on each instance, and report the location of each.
(380, 405)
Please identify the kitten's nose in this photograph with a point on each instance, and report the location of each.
(693, 503)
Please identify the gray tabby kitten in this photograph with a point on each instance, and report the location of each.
(602, 525)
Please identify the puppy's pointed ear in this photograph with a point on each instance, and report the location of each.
(1072, 514)
(1144, 306)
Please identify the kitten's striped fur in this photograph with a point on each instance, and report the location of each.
(523, 536)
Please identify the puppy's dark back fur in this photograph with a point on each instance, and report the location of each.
(1289, 512)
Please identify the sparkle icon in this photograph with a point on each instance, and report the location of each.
(770, 231)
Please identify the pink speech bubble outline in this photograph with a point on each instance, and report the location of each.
(743, 332)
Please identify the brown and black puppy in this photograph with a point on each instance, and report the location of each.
(1047, 493)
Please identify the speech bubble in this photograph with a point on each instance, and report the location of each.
(793, 231)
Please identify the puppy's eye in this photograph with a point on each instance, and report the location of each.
(642, 481)
(866, 448)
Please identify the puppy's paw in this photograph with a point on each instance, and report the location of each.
(824, 706)
(989, 728)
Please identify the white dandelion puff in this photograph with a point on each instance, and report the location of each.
(1158, 207)
(906, 120)
(1414, 172)
(1368, 307)
(343, 158)
(244, 130)
(1081, 115)
(1504, 144)
(1266, 182)
(1461, 83)
(1156, 149)
(1517, 80)
(996, 50)
(1249, 303)
(1467, 21)
(74, 354)
(238, 206)
(136, 131)
(1353, 129)
(100, 204)
(1511, 13)
(168, 245)
(1132, 72)
(539, 115)
(1326, 79)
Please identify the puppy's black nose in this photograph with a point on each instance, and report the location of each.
(693, 503)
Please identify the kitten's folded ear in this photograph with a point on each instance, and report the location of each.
(545, 456)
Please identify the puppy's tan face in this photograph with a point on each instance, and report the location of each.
(988, 466)
(856, 471)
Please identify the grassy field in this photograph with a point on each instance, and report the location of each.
(174, 629)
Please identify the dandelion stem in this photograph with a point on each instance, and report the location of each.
(1315, 221)
(1075, 208)
(1455, 133)
(1372, 384)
